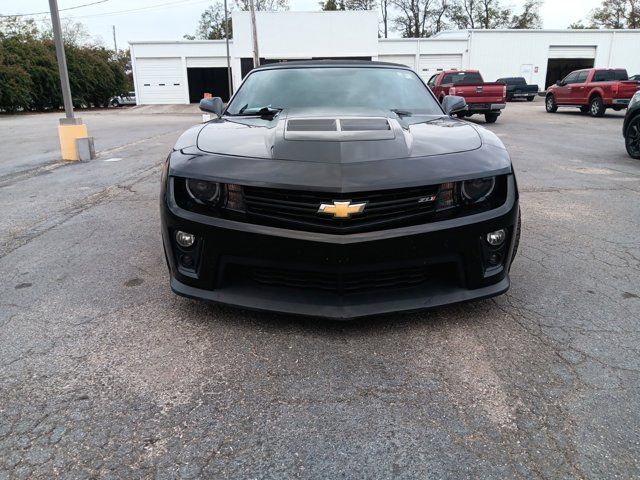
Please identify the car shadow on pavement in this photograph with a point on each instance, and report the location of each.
(205, 313)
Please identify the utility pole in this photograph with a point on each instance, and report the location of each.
(226, 37)
(62, 59)
(254, 31)
(115, 44)
(75, 143)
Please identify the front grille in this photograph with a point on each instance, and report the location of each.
(299, 209)
(347, 282)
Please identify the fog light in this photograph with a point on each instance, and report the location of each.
(185, 239)
(496, 238)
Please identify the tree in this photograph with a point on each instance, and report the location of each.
(212, 24)
(29, 78)
(360, 4)
(617, 14)
(73, 33)
(530, 16)
(420, 18)
(581, 26)
(480, 14)
(384, 11)
(329, 5)
(264, 5)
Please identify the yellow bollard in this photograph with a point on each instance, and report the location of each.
(68, 131)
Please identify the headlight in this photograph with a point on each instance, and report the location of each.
(635, 100)
(476, 190)
(202, 191)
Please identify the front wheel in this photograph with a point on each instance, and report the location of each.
(550, 104)
(530, 99)
(115, 102)
(596, 107)
(491, 117)
(632, 138)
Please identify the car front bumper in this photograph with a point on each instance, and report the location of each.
(339, 276)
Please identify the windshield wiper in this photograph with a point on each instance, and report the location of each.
(401, 113)
(266, 111)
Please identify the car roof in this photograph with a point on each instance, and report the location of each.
(329, 63)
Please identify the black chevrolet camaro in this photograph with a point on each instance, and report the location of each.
(339, 190)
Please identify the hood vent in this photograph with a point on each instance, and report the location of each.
(312, 125)
(339, 129)
(364, 124)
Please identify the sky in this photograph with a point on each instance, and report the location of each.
(171, 19)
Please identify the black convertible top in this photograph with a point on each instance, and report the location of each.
(330, 63)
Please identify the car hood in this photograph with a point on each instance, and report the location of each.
(414, 151)
(337, 137)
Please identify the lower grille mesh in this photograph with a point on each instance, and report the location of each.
(343, 283)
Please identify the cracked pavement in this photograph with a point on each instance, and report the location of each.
(104, 373)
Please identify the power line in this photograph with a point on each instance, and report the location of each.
(134, 10)
(60, 10)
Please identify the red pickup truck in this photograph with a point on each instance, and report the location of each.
(487, 99)
(592, 90)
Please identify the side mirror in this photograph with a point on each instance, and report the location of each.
(452, 104)
(213, 105)
(560, 83)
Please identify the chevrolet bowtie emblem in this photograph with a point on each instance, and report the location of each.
(341, 209)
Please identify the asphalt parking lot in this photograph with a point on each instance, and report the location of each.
(104, 373)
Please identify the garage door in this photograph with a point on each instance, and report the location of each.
(432, 64)
(408, 60)
(160, 80)
(569, 51)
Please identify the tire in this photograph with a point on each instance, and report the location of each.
(617, 109)
(596, 107)
(509, 98)
(491, 117)
(584, 109)
(550, 104)
(632, 138)
(115, 103)
(530, 99)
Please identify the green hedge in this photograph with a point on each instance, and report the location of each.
(29, 77)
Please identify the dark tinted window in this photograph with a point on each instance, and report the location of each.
(462, 77)
(609, 75)
(343, 87)
(571, 78)
(513, 81)
(621, 75)
(432, 80)
(582, 77)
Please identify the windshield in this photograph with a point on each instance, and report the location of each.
(341, 87)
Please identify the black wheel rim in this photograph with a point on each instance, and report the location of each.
(633, 138)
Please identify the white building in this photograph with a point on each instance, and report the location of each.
(182, 71)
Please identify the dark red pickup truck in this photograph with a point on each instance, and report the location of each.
(487, 99)
(592, 90)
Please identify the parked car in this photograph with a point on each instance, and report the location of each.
(631, 127)
(338, 189)
(592, 90)
(482, 98)
(125, 99)
(517, 87)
